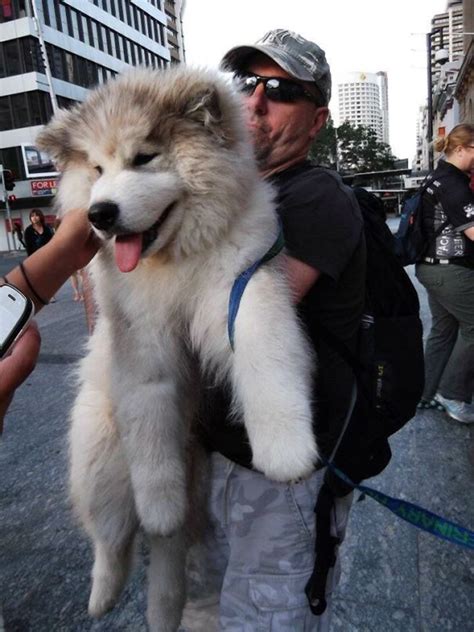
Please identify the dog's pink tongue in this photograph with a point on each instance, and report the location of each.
(128, 249)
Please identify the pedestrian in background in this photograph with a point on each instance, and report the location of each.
(447, 273)
(38, 233)
(18, 231)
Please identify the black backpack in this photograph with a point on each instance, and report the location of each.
(410, 243)
(389, 365)
(389, 371)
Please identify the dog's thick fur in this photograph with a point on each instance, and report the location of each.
(131, 419)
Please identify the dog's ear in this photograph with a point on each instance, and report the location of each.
(207, 108)
(55, 139)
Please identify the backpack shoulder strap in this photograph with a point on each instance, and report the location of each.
(428, 181)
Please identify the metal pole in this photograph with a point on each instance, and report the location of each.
(430, 92)
(430, 104)
(7, 208)
(49, 76)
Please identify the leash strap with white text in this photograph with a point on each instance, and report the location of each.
(240, 284)
(415, 515)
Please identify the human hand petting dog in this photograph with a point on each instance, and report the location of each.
(15, 368)
(75, 240)
(71, 248)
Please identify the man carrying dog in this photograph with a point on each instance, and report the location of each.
(263, 549)
(264, 544)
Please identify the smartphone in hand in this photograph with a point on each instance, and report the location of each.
(16, 311)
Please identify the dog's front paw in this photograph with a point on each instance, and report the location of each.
(162, 511)
(283, 457)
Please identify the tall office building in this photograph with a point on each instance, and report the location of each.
(447, 29)
(51, 53)
(363, 100)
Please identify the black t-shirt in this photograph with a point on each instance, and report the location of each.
(322, 226)
(449, 197)
(34, 241)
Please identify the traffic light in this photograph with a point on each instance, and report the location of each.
(8, 180)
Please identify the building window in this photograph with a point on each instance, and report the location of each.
(118, 46)
(47, 19)
(12, 10)
(143, 22)
(69, 67)
(100, 38)
(70, 30)
(132, 54)
(12, 58)
(80, 26)
(128, 12)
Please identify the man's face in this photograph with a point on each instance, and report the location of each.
(282, 132)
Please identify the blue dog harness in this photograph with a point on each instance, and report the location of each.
(240, 284)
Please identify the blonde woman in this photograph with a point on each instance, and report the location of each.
(447, 273)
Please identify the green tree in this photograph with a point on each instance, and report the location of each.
(358, 149)
(323, 149)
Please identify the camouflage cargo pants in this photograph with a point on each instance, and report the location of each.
(261, 551)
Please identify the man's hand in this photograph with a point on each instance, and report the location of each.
(16, 367)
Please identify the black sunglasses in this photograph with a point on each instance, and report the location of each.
(275, 88)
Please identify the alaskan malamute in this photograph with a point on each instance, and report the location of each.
(163, 163)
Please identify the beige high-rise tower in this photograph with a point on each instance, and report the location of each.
(363, 100)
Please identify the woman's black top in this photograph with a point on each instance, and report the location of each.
(449, 197)
(34, 241)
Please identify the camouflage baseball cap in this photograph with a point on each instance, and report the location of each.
(299, 57)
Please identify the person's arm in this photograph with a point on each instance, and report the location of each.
(16, 367)
(71, 248)
(317, 217)
(469, 232)
(301, 277)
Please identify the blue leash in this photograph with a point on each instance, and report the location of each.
(417, 516)
(411, 513)
(240, 284)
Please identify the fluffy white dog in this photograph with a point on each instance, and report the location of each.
(163, 163)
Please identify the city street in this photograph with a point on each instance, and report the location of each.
(395, 578)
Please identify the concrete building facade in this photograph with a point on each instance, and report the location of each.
(51, 53)
(452, 96)
(450, 35)
(363, 100)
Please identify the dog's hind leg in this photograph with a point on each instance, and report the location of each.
(109, 574)
(100, 487)
(166, 582)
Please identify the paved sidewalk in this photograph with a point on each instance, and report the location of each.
(395, 578)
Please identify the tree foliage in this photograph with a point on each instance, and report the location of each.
(351, 149)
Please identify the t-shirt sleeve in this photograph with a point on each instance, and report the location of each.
(321, 224)
(457, 201)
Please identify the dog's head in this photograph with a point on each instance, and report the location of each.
(161, 159)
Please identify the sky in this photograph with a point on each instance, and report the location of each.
(357, 35)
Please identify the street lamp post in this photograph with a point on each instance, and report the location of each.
(441, 57)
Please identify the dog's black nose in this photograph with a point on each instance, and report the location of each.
(103, 215)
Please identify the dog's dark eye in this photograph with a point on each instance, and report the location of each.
(99, 170)
(143, 159)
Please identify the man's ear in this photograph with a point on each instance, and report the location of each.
(321, 115)
(207, 109)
